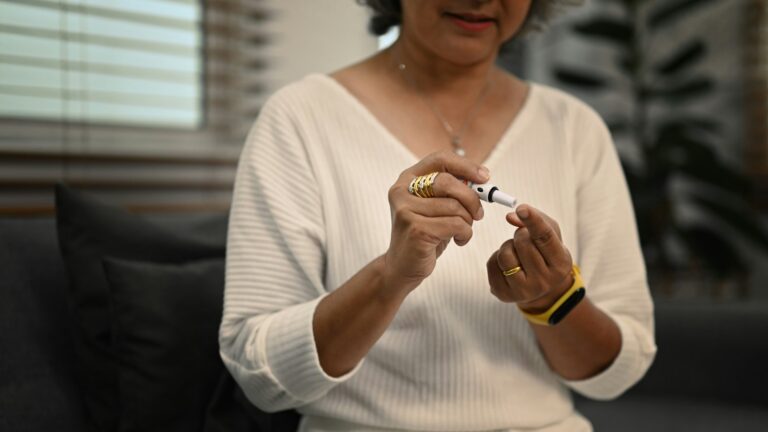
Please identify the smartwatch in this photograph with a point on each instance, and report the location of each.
(563, 305)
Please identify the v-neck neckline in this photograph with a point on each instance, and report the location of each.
(505, 139)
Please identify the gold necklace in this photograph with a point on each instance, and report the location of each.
(455, 137)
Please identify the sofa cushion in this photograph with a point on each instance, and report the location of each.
(707, 376)
(89, 231)
(165, 324)
(38, 390)
(709, 351)
(669, 414)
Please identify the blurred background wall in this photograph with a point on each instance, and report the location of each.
(323, 35)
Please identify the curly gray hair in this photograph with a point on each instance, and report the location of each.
(388, 13)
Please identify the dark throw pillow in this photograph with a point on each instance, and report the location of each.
(165, 324)
(89, 230)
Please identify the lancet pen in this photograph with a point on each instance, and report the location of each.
(489, 192)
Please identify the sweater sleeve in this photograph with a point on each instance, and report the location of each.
(275, 266)
(610, 257)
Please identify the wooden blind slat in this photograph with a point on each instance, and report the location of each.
(159, 186)
(100, 158)
(103, 68)
(109, 41)
(117, 14)
(182, 207)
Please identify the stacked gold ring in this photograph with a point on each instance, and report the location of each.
(421, 186)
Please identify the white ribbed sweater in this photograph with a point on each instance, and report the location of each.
(310, 209)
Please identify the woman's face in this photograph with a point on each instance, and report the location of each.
(462, 31)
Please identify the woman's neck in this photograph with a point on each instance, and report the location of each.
(435, 75)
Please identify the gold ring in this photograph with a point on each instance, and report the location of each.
(411, 187)
(431, 182)
(421, 186)
(512, 271)
(414, 187)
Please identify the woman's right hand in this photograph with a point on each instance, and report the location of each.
(423, 227)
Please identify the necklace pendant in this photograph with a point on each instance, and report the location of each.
(456, 143)
(455, 135)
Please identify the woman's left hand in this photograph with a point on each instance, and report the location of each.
(545, 263)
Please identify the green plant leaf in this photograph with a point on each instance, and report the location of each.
(627, 64)
(694, 88)
(718, 253)
(609, 29)
(618, 126)
(670, 11)
(679, 149)
(683, 58)
(740, 219)
(689, 124)
(653, 209)
(583, 79)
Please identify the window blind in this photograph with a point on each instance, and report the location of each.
(123, 62)
(160, 120)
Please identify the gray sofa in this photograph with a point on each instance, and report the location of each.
(38, 390)
(710, 373)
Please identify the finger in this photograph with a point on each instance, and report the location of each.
(513, 219)
(548, 219)
(528, 254)
(448, 186)
(553, 223)
(436, 207)
(447, 161)
(542, 234)
(497, 281)
(507, 259)
(443, 228)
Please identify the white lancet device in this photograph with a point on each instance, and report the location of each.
(490, 193)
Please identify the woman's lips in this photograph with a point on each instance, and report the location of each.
(472, 23)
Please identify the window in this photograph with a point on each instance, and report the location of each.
(132, 62)
(143, 102)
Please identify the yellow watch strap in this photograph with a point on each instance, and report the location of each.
(543, 318)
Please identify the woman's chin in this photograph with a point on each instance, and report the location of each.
(468, 54)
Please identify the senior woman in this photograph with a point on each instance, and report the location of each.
(344, 297)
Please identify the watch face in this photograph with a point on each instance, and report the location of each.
(567, 305)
